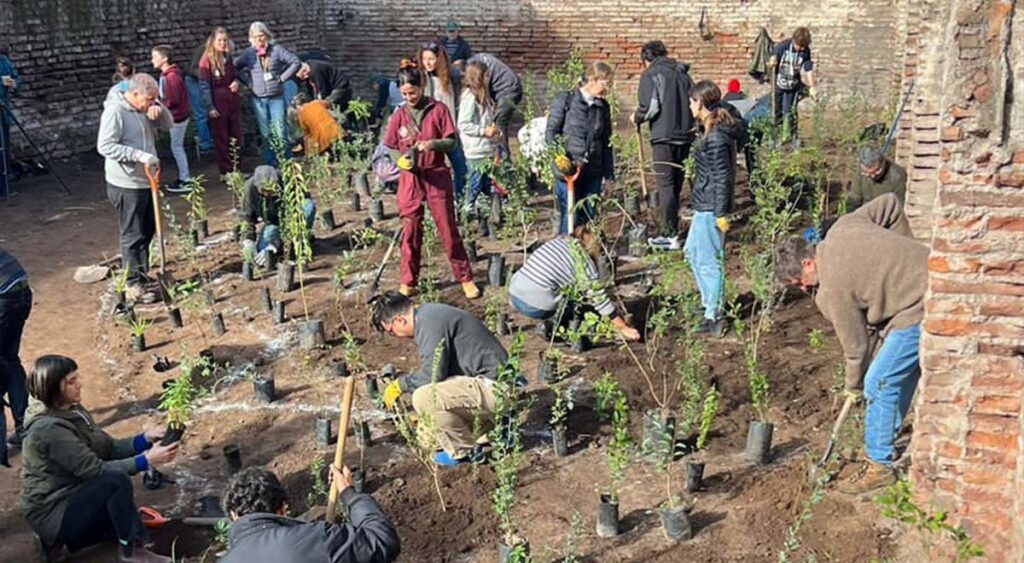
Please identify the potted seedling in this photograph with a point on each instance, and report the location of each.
(695, 468)
(139, 327)
(376, 206)
(559, 418)
(311, 331)
(612, 405)
(196, 198)
(120, 289)
(178, 400)
(552, 367)
(507, 452)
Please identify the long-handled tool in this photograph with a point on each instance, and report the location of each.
(375, 285)
(570, 182)
(153, 173)
(640, 160)
(339, 450)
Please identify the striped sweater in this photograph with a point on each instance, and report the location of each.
(550, 270)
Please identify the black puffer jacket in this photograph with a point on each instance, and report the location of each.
(586, 130)
(664, 101)
(715, 156)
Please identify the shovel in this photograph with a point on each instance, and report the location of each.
(339, 450)
(570, 182)
(375, 286)
(640, 159)
(153, 173)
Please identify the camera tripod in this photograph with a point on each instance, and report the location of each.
(6, 113)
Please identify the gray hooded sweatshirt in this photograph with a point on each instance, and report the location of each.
(127, 134)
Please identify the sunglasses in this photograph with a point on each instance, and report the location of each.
(430, 46)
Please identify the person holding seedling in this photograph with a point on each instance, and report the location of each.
(262, 202)
(871, 275)
(714, 180)
(419, 135)
(537, 289)
(75, 489)
(582, 119)
(459, 363)
(257, 504)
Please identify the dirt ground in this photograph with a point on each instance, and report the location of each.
(742, 513)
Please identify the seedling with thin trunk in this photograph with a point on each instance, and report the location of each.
(421, 437)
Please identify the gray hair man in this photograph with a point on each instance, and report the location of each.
(127, 140)
(878, 176)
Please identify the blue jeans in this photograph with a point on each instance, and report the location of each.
(585, 213)
(704, 249)
(532, 312)
(479, 183)
(458, 159)
(888, 389)
(271, 119)
(195, 96)
(271, 234)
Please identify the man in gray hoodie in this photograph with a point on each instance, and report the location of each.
(127, 140)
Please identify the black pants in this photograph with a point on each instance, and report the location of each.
(102, 510)
(135, 218)
(7, 163)
(15, 307)
(505, 109)
(667, 160)
(785, 103)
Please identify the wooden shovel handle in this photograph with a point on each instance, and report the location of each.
(339, 450)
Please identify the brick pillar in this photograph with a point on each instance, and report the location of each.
(967, 454)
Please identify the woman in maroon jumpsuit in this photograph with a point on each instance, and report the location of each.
(217, 80)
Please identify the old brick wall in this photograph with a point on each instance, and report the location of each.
(967, 453)
(64, 51)
(857, 44)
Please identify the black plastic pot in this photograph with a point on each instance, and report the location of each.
(119, 298)
(676, 523)
(495, 217)
(193, 237)
(388, 371)
(323, 430)
(483, 226)
(139, 343)
(502, 323)
(560, 439)
(232, 459)
(607, 517)
(152, 479)
(546, 370)
(694, 476)
(340, 368)
(175, 317)
(372, 389)
(218, 325)
(202, 227)
(247, 270)
(632, 204)
(263, 387)
(496, 270)
(505, 551)
(327, 219)
(207, 355)
(311, 334)
(577, 346)
(172, 434)
(359, 480)
(363, 434)
(638, 241)
(356, 203)
(268, 303)
(279, 317)
(362, 184)
(285, 276)
(236, 232)
(759, 442)
(377, 210)
(272, 262)
(470, 246)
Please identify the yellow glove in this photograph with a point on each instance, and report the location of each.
(564, 165)
(391, 394)
(404, 163)
(723, 224)
(813, 92)
(856, 396)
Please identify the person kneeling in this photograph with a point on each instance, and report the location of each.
(260, 531)
(262, 200)
(75, 490)
(538, 289)
(456, 386)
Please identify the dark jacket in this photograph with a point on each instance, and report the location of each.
(11, 271)
(504, 83)
(664, 101)
(469, 348)
(893, 180)
(63, 450)
(255, 206)
(327, 82)
(458, 50)
(369, 537)
(715, 156)
(586, 130)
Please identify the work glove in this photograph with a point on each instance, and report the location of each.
(723, 224)
(149, 159)
(638, 119)
(391, 394)
(813, 92)
(564, 165)
(404, 163)
(854, 394)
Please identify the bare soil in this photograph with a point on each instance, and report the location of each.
(741, 515)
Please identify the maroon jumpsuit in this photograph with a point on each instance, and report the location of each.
(229, 105)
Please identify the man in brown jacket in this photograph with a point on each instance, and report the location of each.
(870, 275)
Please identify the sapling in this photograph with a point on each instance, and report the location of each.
(319, 489)
(612, 405)
(196, 198)
(296, 231)
(178, 399)
(507, 441)
(562, 405)
(421, 437)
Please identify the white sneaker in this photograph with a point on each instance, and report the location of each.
(665, 243)
(177, 188)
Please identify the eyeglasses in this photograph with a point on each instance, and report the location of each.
(430, 46)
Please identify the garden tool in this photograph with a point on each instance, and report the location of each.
(151, 518)
(339, 449)
(640, 159)
(566, 167)
(375, 286)
(896, 118)
(153, 173)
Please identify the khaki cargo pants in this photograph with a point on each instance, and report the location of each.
(459, 406)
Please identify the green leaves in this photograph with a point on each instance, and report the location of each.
(612, 404)
(897, 502)
(562, 406)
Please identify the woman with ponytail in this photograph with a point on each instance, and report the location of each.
(715, 156)
(419, 135)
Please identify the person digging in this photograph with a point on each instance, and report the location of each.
(462, 400)
(262, 201)
(869, 274)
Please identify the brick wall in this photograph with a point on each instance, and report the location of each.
(64, 51)
(967, 453)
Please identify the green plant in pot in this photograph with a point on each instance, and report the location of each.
(613, 406)
(196, 198)
(298, 239)
(507, 450)
(139, 326)
(178, 400)
(558, 420)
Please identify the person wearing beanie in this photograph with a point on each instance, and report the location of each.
(878, 176)
(734, 92)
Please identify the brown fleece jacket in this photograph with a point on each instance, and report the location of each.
(871, 273)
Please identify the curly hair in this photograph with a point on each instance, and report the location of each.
(384, 308)
(789, 257)
(254, 490)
